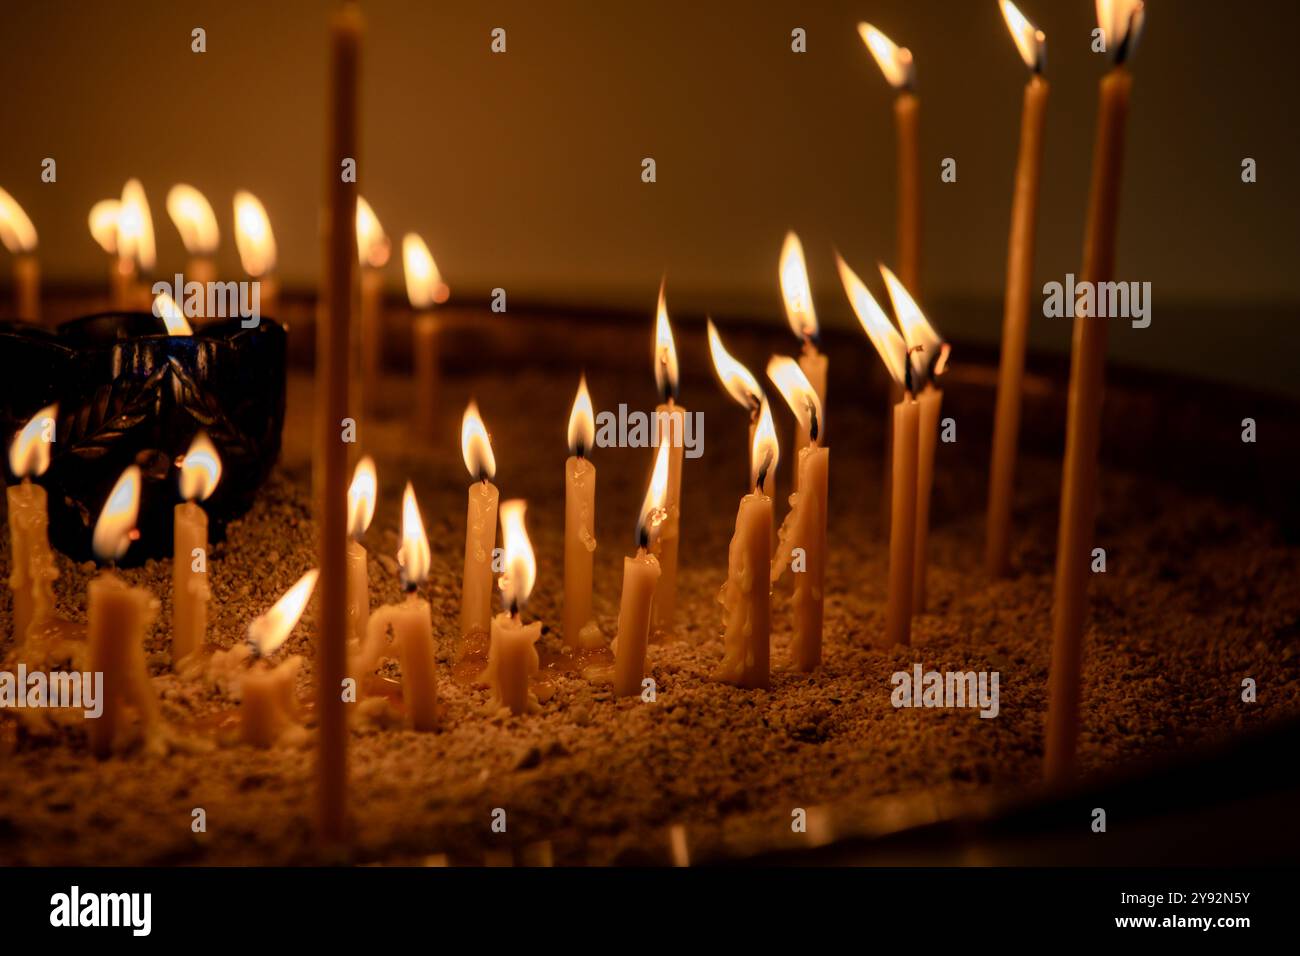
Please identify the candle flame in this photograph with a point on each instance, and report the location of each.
(665, 351)
(736, 379)
(173, 316)
(928, 352)
(135, 226)
(268, 631)
(764, 452)
(894, 61)
(476, 446)
(373, 247)
(413, 556)
(1031, 41)
(798, 393)
(796, 290)
(653, 513)
(115, 529)
(520, 564)
(253, 236)
(1121, 23)
(16, 230)
(29, 454)
(200, 469)
(424, 285)
(362, 494)
(103, 224)
(194, 219)
(582, 421)
(883, 335)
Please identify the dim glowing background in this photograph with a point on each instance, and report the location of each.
(522, 170)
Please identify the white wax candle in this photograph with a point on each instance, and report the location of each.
(190, 590)
(119, 617)
(640, 576)
(412, 627)
(512, 662)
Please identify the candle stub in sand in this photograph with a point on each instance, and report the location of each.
(512, 657)
(268, 704)
(580, 629)
(362, 493)
(200, 471)
(18, 236)
(31, 561)
(796, 291)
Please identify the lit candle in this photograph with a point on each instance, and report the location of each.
(929, 360)
(580, 629)
(200, 471)
(743, 387)
(512, 657)
(31, 562)
(373, 249)
(134, 246)
(480, 531)
(167, 309)
(119, 617)
(194, 219)
(411, 623)
(906, 418)
(103, 228)
(19, 236)
(331, 399)
(803, 533)
(268, 702)
(257, 251)
(1019, 290)
(640, 577)
(361, 509)
(670, 423)
(424, 289)
(1121, 22)
(797, 293)
(747, 593)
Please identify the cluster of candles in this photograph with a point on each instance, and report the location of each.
(352, 639)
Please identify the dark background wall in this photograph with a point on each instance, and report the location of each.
(522, 170)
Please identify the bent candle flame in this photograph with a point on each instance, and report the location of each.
(736, 379)
(268, 631)
(889, 344)
(29, 453)
(424, 285)
(476, 445)
(582, 421)
(894, 61)
(362, 494)
(1030, 40)
(115, 529)
(665, 355)
(135, 226)
(165, 308)
(929, 353)
(194, 219)
(200, 469)
(796, 291)
(16, 230)
(413, 556)
(653, 513)
(798, 393)
(373, 247)
(520, 563)
(764, 451)
(253, 236)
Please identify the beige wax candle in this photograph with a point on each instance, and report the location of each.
(200, 472)
(268, 702)
(30, 559)
(424, 289)
(134, 245)
(670, 425)
(332, 406)
(257, 249)
(362, 493)
(194, 219)
(929, 401)
(902, 526)
(640, 579)
(18, 235)
(480, 527)
(373, 249)
(411, 623)
(1018, 296)
(813, 364)
(1083, 424)
(512, 655)
(580, 630)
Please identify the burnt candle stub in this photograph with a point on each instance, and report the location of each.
(130, 394)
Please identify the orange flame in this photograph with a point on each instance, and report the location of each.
(764, 452)
(476, 446)
(883, 335)
(103, 224)
(268, 631)
(665, 351)
(16, 230)
(373, 247)
(796, 290)
(736, 379)
(929, 354)
(200, 469)
(798, 393)
(194, 219)
(115, 529)
(582, 421)
(173, 316)
(29, 454)
(413, 556)
(894, 61)
(1031, 41)
(253, 236)
(424, 285)
(520, 563)
(362, 494)
(1121, 23)
(135, 226)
